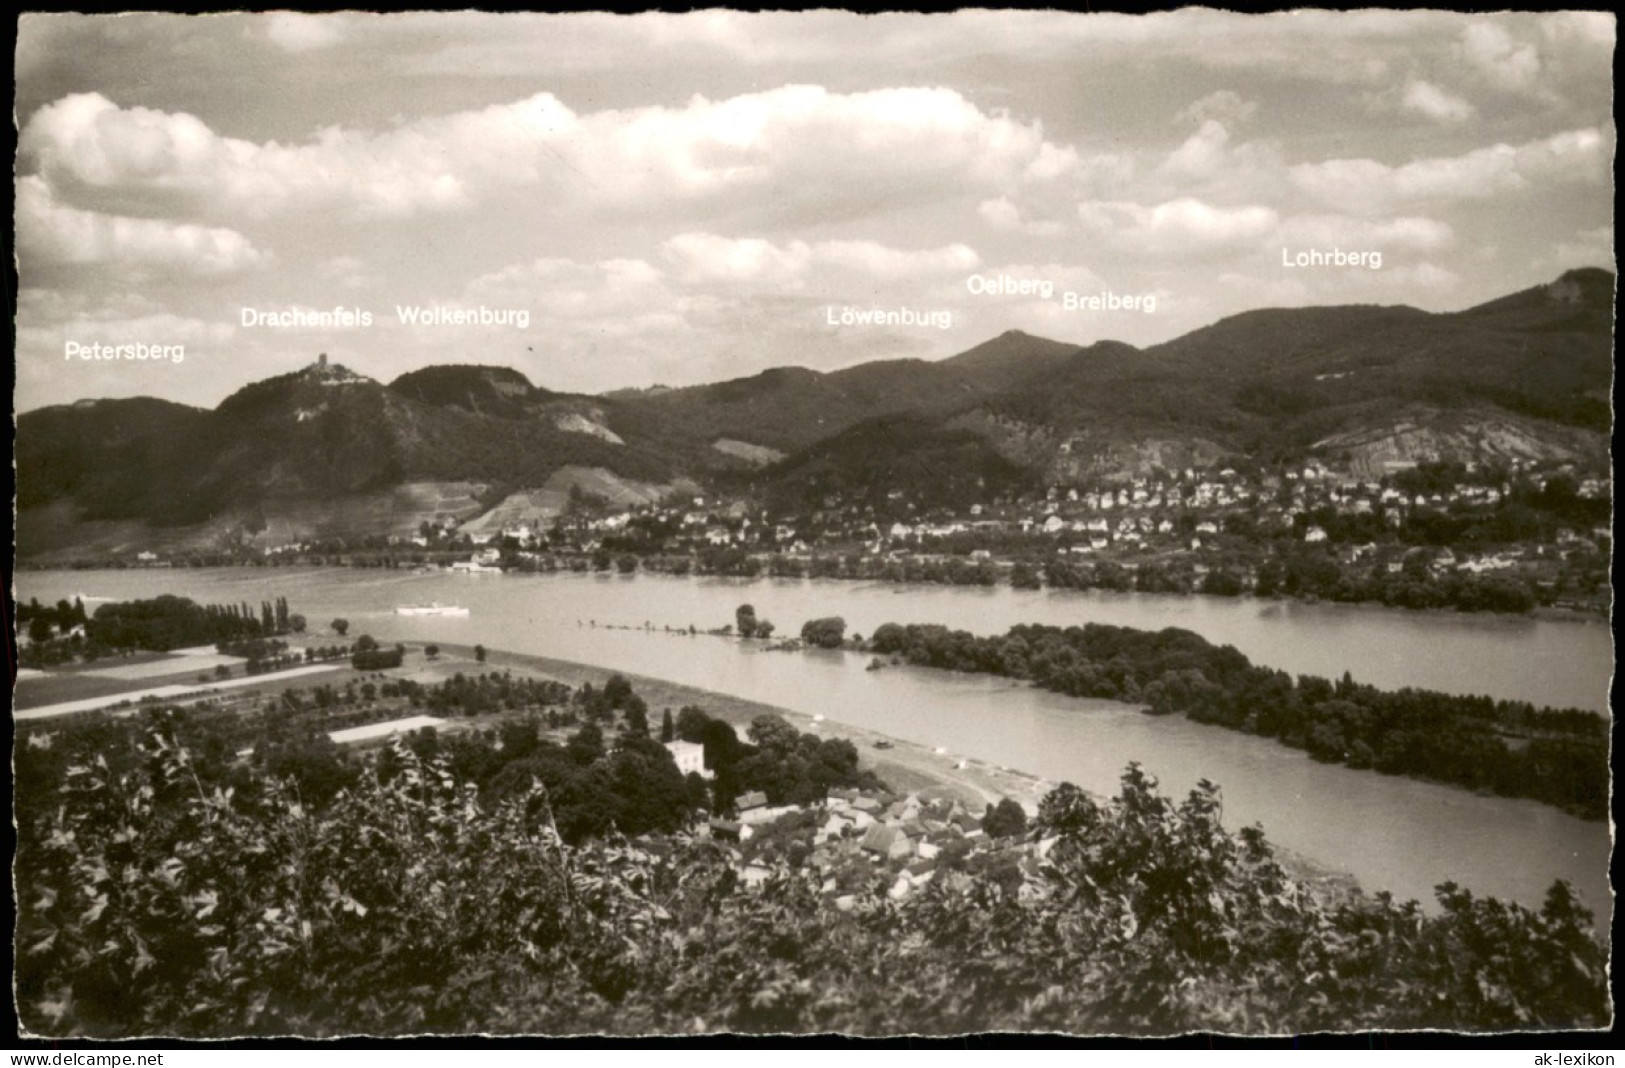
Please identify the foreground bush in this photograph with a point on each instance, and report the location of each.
(150, 904)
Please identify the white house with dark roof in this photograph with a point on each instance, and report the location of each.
(690, 758)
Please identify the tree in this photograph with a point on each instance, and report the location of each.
(668, 730)
(888, 638)
(637, 716)
(1005, 819)
(341, 627)
(691, 723)
(479, 653)
(366, 643)
(617, 691)
(431, 651)
(1222, 583)
(764, 628)
(376, 659)
(40, 630)
(585, 745)
(745, 620)
(773, 733)
(296, 623)
(826, 633)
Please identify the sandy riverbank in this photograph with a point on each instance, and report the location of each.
(903, 765)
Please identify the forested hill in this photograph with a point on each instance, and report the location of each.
(322, 434)
(1528, 374)
(498, 391)
(1280, 380)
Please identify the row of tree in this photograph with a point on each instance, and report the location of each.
(1289, 569)
(45, 622)
(1508, 747)
(169, 622)
(1304, 573)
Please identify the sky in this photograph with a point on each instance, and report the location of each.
(676, 199)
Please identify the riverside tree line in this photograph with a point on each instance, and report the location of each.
(160, 624)
(1507, 747)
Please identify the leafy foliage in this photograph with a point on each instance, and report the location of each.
(153, 903)
(168, 622)
(789, 766)
(826, 633)
(376, 659)
(882, 463)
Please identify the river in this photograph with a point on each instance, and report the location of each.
(1390, 833)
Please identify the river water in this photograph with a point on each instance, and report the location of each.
(1390, 833)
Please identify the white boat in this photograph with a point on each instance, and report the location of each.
(433, 609)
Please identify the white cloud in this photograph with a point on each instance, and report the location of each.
(107, 328)
(303, 33)
(886, 140)
(702, 259)
(1429, 101)
(710, 317)
(348, 272)
(874, 260)
(1224, 106)
(1210, 165)
(87, 146)
(1200, 156)
(1593, 29)
(1501, 61)
(49, 234)
(1184, 226)
(907, 144)
(45, 373)
(1002, 214)
(616, 291)
(1410, 234)
(1051, 163)
(1573, 156)
(1587, 248)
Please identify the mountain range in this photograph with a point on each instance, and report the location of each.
(326, 451)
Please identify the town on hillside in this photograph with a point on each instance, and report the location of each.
(1504, 536)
